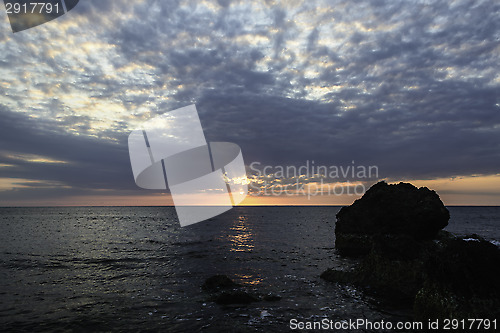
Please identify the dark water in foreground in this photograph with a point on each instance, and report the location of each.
(135, 269)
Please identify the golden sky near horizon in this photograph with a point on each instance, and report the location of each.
(410, 87)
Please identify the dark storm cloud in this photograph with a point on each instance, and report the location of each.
(90, 163)
(433, 140)
(411, 87)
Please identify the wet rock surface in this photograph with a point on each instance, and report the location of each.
(400, 209)
(225, 291)
(218, 282)
(462, 281)
(406, 258)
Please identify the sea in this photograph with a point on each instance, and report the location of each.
(134, 269)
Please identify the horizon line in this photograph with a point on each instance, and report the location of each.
(96, 206)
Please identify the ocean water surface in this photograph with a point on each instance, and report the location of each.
(135, 269)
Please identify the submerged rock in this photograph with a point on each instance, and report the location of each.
(218, 282)
(385, 209)
(225, 291)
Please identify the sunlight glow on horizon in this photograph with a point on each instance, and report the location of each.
(288, 81)
(460, 191)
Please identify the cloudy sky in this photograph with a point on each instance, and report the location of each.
(412, 87)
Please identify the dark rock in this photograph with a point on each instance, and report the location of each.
(408, 258)
(462, 281)
(473, 262)
(384, 209)
(397, 247)
(338, 276)
(218, 282)
(397, 280)
(450, 277)
(224, 291)
(353, 245)
(235, 297)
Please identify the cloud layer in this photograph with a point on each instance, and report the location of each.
(410, 86)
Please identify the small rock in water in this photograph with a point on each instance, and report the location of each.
(218, 282)
(225, 291)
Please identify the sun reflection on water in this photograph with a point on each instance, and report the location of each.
(249, 279)
(241, 238)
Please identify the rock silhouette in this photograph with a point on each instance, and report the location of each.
(218, 282)
(225, 291)
(408, 259)
(385, 209)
